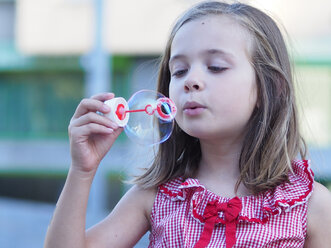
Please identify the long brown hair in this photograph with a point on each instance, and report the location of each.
(272, 140)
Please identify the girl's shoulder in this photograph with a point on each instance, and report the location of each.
(141, 198)
(319, 217)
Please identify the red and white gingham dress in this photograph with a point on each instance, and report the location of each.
(186, 214)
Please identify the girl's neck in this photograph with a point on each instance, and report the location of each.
(220, 158)
(219, 167)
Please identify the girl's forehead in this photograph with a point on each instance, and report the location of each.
(212, 32)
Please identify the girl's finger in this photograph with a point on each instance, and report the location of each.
(91, 128)
(93, 117)
(103, 96)
(90, 105)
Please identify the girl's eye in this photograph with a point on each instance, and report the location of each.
(216, 68)
(179, 73)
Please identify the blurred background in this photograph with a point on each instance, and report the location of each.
(55, 52)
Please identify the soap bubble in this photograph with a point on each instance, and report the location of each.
(151, 117)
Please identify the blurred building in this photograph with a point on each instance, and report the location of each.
(45, 45)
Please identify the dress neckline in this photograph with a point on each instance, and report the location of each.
(256, 208)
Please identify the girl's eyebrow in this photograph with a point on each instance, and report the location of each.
(219, 51)
(175, 57)
(226, 55)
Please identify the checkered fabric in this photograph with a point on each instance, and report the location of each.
(275, 218)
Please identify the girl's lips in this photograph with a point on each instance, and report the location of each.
(193, 111)
(193, 108)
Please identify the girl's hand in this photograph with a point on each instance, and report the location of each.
(91, 135)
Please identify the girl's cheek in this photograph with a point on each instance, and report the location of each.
(175, 97)
(171, 91)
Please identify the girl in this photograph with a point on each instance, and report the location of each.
(227, 177)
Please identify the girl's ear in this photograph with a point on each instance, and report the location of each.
(258, 103)
(258, 100)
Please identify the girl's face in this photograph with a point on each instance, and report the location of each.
(212, 80)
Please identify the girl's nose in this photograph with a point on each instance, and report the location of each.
(193, 85)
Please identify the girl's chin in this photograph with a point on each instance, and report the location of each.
(198, 133)
(210, 135)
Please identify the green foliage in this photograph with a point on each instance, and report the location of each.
(38, 97)
(38, 104)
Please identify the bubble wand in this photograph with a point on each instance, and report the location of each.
(151, 119)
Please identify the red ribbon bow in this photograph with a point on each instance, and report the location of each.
(231, 211)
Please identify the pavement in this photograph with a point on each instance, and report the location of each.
(23, 224)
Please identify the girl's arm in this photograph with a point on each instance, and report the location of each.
(127, 223)
(319, 218)
(91, 136)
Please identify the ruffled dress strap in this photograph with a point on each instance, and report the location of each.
(293, 193)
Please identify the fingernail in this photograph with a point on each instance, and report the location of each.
(115, 125)
(105, 108)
